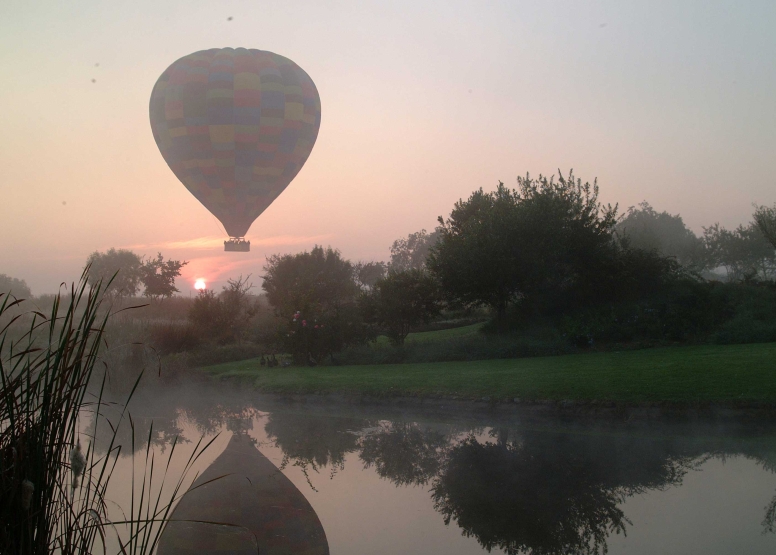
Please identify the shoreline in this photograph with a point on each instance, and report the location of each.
(761, 411)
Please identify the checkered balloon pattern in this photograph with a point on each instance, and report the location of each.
(235, 125)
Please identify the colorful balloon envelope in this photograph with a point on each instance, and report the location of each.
(235, 125)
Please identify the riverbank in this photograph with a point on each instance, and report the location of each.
(736, 375)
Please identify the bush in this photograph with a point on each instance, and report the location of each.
(753, 314)
(686, 311)
(173, 337)
(177, 362)
(478, 346)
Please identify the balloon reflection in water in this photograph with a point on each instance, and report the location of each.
(264, 512)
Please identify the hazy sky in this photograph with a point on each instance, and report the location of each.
(673, 102)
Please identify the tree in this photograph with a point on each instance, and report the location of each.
(664, 233)
(412, 252)
(765, 220)
(224, 318)
(123, 264)
(158, 276)
(316, 289)
(14, 286)
(401, 301)
(744, 252)
(368, 273)
(548, 244)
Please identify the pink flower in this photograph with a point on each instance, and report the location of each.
(316, 327)
(304, 322)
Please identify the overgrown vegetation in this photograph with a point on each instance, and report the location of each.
(52, 484)
(550, 268)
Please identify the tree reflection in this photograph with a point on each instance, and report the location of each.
(549, 493)
(311, 441)
(404, 452)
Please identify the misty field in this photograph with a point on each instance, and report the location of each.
(695, 374)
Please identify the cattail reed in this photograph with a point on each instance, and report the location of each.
(44, 375)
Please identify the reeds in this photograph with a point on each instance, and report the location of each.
(52, 491)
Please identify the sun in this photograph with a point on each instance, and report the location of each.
(199, 284)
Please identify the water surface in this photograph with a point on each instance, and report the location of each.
(347, 479)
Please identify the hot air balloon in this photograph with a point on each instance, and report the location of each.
(235, 125)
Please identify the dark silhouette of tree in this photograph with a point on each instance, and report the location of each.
(401, 301)
(744, 252)
(224, 318)
(765, 220)
(123, 264)
(546, 244)
(411, 253)
(368, 273)
(17, 287)
(319, 287)
(667, 234)
(158, 276)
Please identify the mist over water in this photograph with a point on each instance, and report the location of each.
(383, 478)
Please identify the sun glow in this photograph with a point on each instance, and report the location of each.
(199, 284)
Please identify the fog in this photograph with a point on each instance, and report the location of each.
(421, 104)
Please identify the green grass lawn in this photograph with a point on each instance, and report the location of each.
(707, 373)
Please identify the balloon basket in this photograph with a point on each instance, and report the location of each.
(237, 245)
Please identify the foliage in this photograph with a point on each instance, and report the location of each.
(404, 452)
(158, 276)
(551, 493)
(400, 301)
(547, 244)
(745, 252)
(224, 318)
(14, 286)
(368, 273)
(173, 337)
(412, 252)
(318, 287)
(765, 220)
(52, 490)
(122, 268)
(314, 442)
(667, 234)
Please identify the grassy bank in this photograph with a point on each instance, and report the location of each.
(695, 374)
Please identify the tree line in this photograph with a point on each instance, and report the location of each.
(547, 251)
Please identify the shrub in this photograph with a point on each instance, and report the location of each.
(173, 337)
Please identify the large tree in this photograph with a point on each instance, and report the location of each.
(411, 252)
(646, 229)
(744, 252)
(317, 294)
(368, 273)
(546, 244)
(14, 286)
(401, 301)
(765, 220)
(121, 265)
(158, 276)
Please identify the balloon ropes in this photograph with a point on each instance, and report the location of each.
(235, 125)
